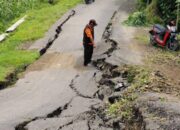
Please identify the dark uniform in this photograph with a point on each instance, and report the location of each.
(88, 45)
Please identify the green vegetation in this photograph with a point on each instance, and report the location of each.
(167, 9)
(165, 57)
(137, 19)
(145, 79)
(122, 108)
(12, 9)
(144, 39)
(38, 22)
(9, 10)
(153, 11)
(139, 77)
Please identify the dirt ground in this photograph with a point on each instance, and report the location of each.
(159, 104)
(159, 59)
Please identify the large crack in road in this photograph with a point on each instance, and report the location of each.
(79, 98)
(75, 90)
(13, 77)
(58, 31)
(53, 114)
(93, 113)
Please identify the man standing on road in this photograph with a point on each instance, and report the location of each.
(88, 41)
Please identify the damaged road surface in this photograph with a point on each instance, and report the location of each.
(57, 92)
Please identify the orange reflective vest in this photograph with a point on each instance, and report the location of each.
(88, 35)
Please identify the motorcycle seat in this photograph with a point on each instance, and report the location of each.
(159, 29)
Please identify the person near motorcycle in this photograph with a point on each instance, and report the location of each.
(172, 26)
(165, 37)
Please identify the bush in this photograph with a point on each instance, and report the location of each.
(141, 4)
(158, 10)
(167, 9)
(152, 13)
(137, 19)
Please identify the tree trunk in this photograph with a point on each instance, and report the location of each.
(51, 1)
(177, 21)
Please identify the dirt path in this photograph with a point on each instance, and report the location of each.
(57, 92)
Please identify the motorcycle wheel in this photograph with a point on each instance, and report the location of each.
(152, 42)
(173, 46)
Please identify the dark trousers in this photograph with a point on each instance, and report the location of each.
(89, 1)
(88, 51)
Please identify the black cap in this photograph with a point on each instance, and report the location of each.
(92, 21)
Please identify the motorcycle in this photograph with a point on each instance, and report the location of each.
(164, 37)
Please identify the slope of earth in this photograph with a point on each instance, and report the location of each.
(57, 92)
(151, 101)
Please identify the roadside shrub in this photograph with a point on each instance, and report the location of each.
(161, 11)
(167, 9)
(152, 13)
(141, 4)
(137, 19)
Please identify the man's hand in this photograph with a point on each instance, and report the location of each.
(91, 44)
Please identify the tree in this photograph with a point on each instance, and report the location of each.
(178, 10)
(51, 1)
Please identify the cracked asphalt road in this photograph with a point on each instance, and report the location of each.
(57, 92)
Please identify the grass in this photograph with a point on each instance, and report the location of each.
(122, 108)
(11, 10)
(160, 55)
(144, 38)
(37, 23)
(163, 56)
(144, 79)
(139, 77)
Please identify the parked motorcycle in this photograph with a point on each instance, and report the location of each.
(164, 37)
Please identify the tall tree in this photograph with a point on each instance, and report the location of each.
(178, 10)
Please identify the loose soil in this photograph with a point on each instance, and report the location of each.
(158, 59)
